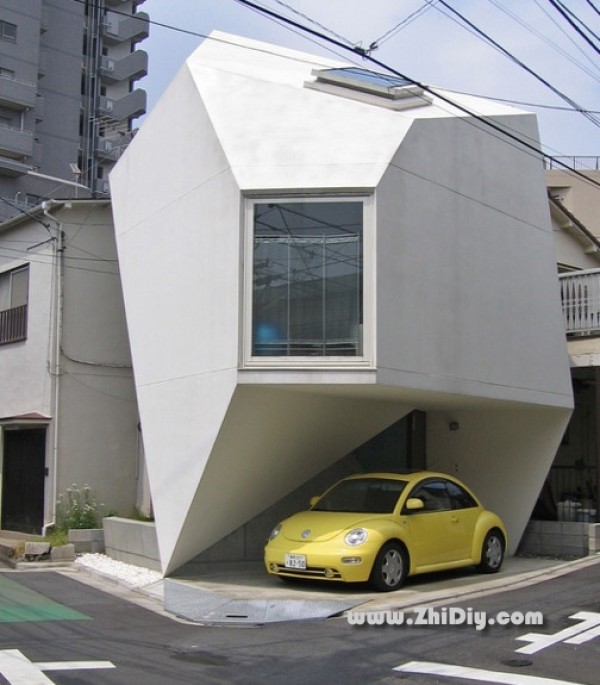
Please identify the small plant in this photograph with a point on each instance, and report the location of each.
(57, 537)
(77, 509)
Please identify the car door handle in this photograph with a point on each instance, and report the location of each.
(454, 519)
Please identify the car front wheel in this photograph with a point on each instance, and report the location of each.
(390, 568)
(492, 553)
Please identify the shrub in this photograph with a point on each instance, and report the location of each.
(57, 537)
(78, 508)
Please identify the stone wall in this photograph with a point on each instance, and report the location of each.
(133, 542)
(560, 538)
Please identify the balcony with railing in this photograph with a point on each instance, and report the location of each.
(133, 28)
(580, 163)
(109, 150)
(13, 325)
(131, 67)
(128, 107)
(580, 297)
(16, 94)
(16, 143)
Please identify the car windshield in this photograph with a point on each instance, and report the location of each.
(363, 495)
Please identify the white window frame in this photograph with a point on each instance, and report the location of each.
(366, 360)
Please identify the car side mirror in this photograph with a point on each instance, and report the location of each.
(314, 500)
(414, 504)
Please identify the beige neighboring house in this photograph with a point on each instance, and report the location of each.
(572, 492)
(68, 412)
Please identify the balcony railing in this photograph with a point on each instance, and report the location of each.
(13, 325)
(131, 67)
(15, 142)
(16, 94)
(133, 28)
(580, 296)
(581, 163)
(128, 107)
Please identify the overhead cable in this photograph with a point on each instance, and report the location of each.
(570, 16)
(517, 61)
(591, 4)
(550, 43)
(444, 98)
(428, 4)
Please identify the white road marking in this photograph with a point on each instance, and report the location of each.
(450, 671)
(72, 665)
(587, 628)
(586, 636)
(16, 668)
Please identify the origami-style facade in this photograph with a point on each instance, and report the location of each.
(308, 255)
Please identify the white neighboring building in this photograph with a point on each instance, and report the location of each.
(574, 480)
(68, 411)
(306, 259)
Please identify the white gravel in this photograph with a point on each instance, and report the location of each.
(133, 576)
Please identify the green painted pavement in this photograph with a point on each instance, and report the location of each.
(19, 604)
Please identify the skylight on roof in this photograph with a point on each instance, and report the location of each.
(364, 79)
(370, 86)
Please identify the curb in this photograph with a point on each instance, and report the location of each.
(483, 588)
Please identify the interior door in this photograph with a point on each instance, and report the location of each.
(23, 474)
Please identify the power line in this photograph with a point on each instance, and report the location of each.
(315, 23)
(14, 205)
(591, 4)
(428, 4)
(522, 103)
(523, 66)
(566, 13)
(547, 40)
(358, 51)
(465, 110)
(567, 35)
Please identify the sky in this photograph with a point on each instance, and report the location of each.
(427, 42)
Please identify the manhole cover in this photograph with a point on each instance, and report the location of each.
(517, 663)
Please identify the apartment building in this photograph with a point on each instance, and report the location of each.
(68, 100)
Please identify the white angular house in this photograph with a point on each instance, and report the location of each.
(308, 255)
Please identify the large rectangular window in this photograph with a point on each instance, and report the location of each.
(307, 278)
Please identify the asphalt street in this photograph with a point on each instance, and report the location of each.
(56, 629)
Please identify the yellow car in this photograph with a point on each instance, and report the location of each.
(383, 527)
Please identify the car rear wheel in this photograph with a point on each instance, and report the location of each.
(390, 568)
(492, 552)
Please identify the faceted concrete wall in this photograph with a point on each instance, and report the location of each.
(464, 298)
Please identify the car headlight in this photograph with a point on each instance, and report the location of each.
(356, 537)
(275, 532)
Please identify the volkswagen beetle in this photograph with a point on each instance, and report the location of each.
(383, 527)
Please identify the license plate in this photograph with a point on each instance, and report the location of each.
(295, 561)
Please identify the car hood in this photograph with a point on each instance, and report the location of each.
(319, 526)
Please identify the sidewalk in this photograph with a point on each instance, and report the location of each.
(243, 593)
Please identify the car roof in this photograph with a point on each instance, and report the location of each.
(409, 476)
